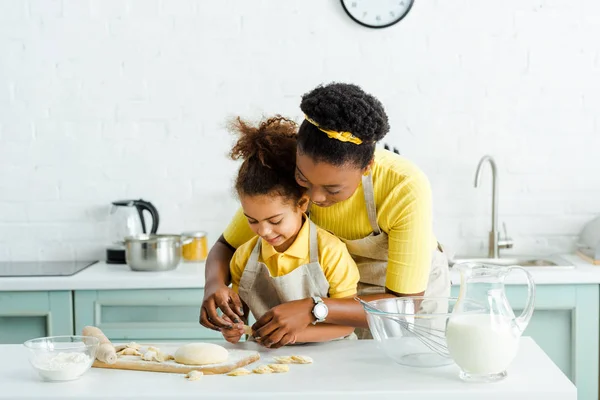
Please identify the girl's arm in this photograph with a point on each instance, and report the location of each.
(323, 333)
(295, 316)
(217, 294)
(348, 311)
(281, 324)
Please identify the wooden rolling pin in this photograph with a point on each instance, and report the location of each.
(106, 351)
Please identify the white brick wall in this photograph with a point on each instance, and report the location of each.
(103, 100)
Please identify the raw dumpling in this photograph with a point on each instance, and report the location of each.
(239, 372)
(201, 354)
(263, 369)
(133, 345)
(194, 375)
(284, 360)
(279, 368)
(149, 356)
(302, 360)
(154, 354)
(129, 351)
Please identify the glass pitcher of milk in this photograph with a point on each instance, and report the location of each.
(482, 332)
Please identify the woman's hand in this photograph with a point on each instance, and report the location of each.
(225, 299)
(281, 324)
(233, 334)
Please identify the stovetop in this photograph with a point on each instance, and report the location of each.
(42, 268)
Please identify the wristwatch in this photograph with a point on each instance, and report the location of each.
(319, 310)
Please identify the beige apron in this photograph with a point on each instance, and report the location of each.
(371, 256)
(261, 291)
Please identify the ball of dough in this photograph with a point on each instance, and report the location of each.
(201, 354)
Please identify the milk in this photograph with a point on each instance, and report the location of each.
(482, 343)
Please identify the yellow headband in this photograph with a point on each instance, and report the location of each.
(341, 136)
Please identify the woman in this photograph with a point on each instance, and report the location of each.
(376, 201)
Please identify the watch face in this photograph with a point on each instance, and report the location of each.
(320, 310)
(377, 13)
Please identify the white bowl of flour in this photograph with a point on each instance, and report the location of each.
(62, 358)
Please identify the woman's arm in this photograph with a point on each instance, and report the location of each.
(410, 248)
(217, 263)
(410, 235)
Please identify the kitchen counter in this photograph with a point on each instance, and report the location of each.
(341, 370)
(102, 276)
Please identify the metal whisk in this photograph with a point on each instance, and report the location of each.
(432, 338)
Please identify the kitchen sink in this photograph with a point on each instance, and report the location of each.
(523, 261)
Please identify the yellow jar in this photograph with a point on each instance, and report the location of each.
(196, 246)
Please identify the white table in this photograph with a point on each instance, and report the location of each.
(342, 370)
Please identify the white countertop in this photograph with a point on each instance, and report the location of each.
(341, 370)
(102, 276)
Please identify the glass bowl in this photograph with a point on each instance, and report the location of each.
(412, 330)
(62, 358)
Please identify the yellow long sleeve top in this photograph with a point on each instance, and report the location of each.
(404, 212)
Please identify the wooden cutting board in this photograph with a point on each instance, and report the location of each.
(237, 359)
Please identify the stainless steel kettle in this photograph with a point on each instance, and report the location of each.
(127, 219)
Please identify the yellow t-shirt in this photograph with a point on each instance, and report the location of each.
(338, 266)
(404, 212)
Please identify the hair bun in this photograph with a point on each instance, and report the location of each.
(269, 142)
(269, 152)
(346, 107)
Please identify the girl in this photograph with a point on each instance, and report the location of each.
(289, 258)
(378, 202)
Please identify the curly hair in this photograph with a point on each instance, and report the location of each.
(268, 151)
(341, 107)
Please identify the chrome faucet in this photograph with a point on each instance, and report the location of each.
(495, 243)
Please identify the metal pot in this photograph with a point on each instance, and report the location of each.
(153, 252)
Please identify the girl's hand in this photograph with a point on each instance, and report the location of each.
(233, 334)
(281, 324)
(225, 299)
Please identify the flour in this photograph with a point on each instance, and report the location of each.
(62, 366)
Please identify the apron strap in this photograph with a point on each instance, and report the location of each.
(367, 182)
(253, 260)
(250, 272)
(314, 244)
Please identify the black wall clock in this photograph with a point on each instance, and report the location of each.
(377, 13)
